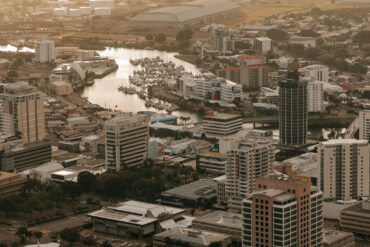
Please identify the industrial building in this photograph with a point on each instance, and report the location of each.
(284, 211)
(344, 169)
(185, 14)
(127, 138)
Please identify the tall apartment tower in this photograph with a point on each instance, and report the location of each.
(293, 122)
(22, 112)
(249, 76)
(364, 125)
(315, 96)
(246, 161)
(344, 169)
(284, 211)
(45, 51)
(222, 38)
(127, 138)
(263, 45)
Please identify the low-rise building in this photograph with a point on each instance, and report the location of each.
(201, 193)
(221, 222)
(211, 162)
(356, 219)
(10, 183)
(121, 224)
(221, 189)
(335, 238)
(307, 42)
(20, 157)
(62, 88)
(191, 237)
(251, 60)
(220, 124)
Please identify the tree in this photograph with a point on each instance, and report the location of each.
(70, 235)
(277, 34)
(308, 33)
(160, 38)
(185, 34)
(22, 233)
(215, 244)
(149, 37)
(86, 180)
(38, 235)
(105, 244)
(71, 188)
(88, 241)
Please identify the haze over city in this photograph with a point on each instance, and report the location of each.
(185, 123)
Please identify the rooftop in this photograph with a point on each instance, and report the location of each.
(221, 218)
(143, 208)
(213, 155)
(344, 141)
(121, 217)
(195, 190)
(332, 237)
(6, 175)
(222, 116)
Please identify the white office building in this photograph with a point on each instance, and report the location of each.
(247, 160)
(127, 138)
(344, 169)
(220, 124)
(45, 51)
(263, 45)
(364, 125)
(315, 96)
(317, 72)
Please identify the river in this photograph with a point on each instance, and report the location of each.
(104, 92)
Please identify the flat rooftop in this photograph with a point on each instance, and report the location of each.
(6, 175)
(195, 190)
(213, 155)
(331, 237)
(221, 218)
(121, 217)
(222, 116)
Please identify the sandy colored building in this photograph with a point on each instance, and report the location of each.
(62, 88)
(10, 183)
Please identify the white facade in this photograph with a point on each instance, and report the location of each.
(60, 12)
(317, 72)
(263, 45)
(75, 12)
(246, 161)
(103, 11)
(127, 138)
(221, 38)
(230, 92)
(364, 125)
(315, 96)
(102, 4)
(344, 169)
(307, 42)
(45, 51)
(217, 124)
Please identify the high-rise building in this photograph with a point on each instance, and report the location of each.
(263, 45)
(45, 51)
(344, 169)
(293, 112)
(317, 72)
(127, 138)
(22, 112)
(284, 211)
(221, 38)
(315, 96)
(248, 76)
(364, 125)
(246, 161)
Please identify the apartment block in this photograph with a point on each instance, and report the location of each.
(255, 76)
(344, 169)
(247, 160)
(22, 112)
(127, 138)
(284, 211)
(10, 183)
(45, 51)
(262, 45)
(220, 124)
(317, 72)
(315, 96)
(364, 125)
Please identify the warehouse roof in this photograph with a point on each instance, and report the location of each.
(201, 188)
(186, 12)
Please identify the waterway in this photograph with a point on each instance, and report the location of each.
(104, 91)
